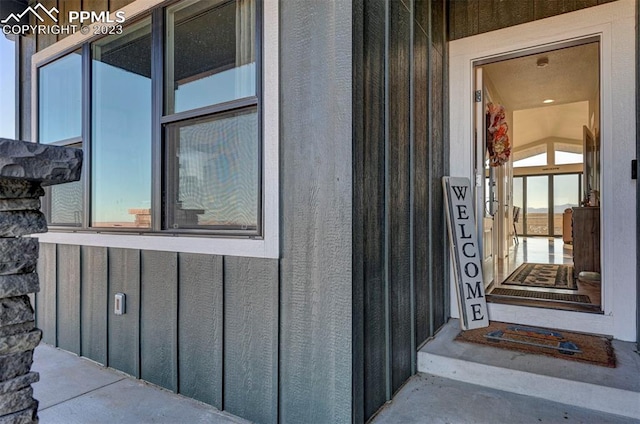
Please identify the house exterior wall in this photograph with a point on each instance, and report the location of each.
(267, 339)
(316, 203)
(400, 258)
(471, 17)
(200, 325)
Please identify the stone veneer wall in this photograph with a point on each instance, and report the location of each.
(24, 169)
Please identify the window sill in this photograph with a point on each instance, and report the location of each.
(266, 247)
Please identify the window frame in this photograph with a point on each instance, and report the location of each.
(159, 236)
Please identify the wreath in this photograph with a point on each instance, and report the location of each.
(497, 138)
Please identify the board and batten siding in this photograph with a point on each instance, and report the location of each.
(471, 17)
(316, 191)
(200, 325)
(400, 154)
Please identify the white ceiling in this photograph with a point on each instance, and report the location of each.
(556, 121)
(571, 79)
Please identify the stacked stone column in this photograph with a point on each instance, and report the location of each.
(24, 169)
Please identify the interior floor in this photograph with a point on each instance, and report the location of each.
(544, 250)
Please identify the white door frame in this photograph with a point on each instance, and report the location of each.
(614, 23)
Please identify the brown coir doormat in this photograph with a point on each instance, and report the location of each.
(591, 349)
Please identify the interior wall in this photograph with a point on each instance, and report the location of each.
(400, 260)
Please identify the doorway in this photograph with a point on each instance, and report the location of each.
(614, 24)
(537, 125)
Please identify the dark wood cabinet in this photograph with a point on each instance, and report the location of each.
(586, 239)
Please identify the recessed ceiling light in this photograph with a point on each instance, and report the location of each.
(542, 62)
(548, 101)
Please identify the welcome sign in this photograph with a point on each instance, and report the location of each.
(466, 253)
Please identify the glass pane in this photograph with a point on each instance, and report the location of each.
(60, 99)
(215, 172)
(537, 160)
(566, 194)
(566, 158)
(518, 201)
(538, 205)
(210, 54)
(66, 202)
(121, 128)
(7, 88)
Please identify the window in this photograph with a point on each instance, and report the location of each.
(7, 87)
(60, 100)
(212, 142)
(173, 139)
(60, 123)
(210, 53)
(537, 160)
(121, 129)
(214, 169)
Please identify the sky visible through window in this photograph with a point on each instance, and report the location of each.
(7, 88)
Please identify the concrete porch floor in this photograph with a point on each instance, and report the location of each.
(527, 380)
(75, 390)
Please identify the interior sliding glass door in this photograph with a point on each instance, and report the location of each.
(543, 199)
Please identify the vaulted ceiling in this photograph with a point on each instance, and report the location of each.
(569, 76)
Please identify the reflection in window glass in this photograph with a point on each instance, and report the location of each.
(537, 160)
(60, 99)
(66, 202)
(210, 53)
(538, 205)
(215, 162)
(566, 194)
(7, 88)
(121, 129)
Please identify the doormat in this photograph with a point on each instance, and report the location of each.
(586, 348)
(530, 294)
(543, 275)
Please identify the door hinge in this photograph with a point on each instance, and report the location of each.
(478, 96)
(634, 169)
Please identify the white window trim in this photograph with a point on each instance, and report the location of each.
(266, 247)
(615, 23)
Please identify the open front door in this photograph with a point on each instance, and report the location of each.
(485, 184)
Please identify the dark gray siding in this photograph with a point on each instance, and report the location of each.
(399, 158)
(203, 326)
(316, 211)
(68, 298)
(200, 309)
(471, 17)
(124, 330)
(251, 338)
(399, 194)
(159, 318)
(46, 315)
(370, 368)
(94, 308)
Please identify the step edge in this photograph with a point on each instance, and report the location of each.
(594, 397)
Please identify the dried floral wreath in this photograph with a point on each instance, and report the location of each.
(497, 139)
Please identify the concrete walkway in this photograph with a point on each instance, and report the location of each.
(76, 390)
(429, 399)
